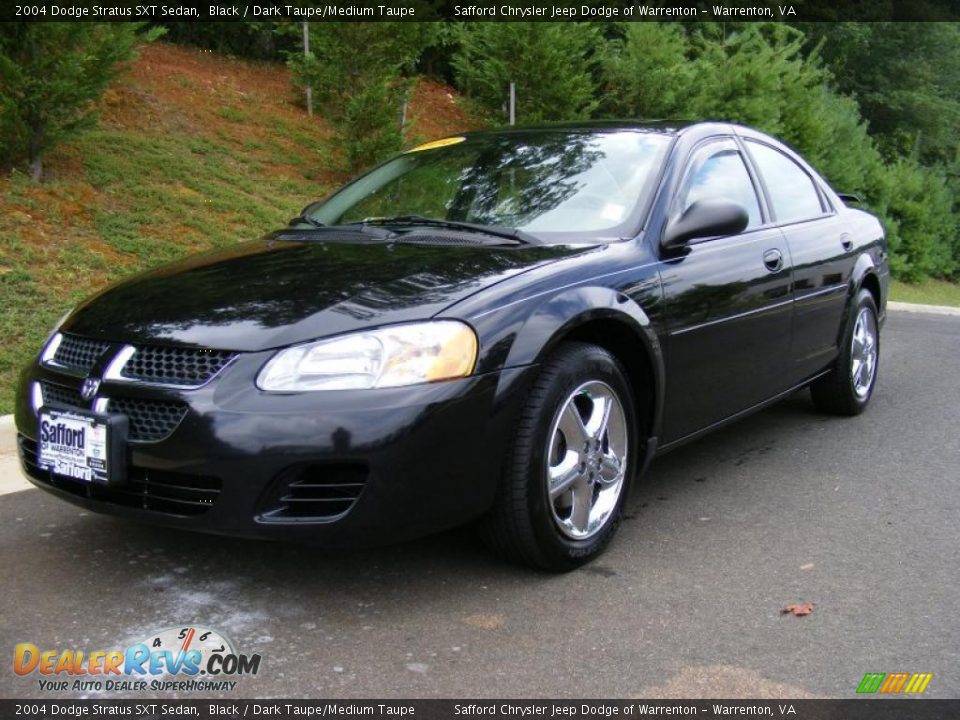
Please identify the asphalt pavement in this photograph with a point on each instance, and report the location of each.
(858, 516)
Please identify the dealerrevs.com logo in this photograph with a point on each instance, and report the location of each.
(178, 659)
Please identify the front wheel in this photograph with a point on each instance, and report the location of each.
(847, 389)
(570, 465)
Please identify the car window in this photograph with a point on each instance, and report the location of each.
(409, 187)
(547, 182)
(719, 173)
(792, 192)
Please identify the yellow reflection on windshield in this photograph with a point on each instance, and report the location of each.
(437, 144)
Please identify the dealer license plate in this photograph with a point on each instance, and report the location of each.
(74, 445)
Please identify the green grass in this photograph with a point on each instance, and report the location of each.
(928, 292)
(135, 200)
(233, 114)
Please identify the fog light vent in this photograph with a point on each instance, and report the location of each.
(315, 492)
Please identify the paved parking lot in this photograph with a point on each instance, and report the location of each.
(859, 516)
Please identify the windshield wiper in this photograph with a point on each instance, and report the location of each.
(305, 220)
(495, 230)
(364, 228)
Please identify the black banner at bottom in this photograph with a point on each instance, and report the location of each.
(859, 709)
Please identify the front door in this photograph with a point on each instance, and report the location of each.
(727, 303)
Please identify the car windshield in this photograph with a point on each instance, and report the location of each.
(556, 185)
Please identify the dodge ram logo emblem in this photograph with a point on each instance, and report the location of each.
(89, 388)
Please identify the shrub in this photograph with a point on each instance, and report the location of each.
(51, 74)
(552, 65)
(355, 71)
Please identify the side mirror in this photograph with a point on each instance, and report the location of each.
(850, 198)
(705, 218)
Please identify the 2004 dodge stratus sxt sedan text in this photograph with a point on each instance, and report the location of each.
(503, 327)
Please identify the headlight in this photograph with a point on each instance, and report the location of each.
(386, 357)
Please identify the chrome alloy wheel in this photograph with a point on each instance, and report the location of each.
(863, 352)
(586, 460)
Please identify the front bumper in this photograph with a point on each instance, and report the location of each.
(343, 468)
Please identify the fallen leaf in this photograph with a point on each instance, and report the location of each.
(798, 609)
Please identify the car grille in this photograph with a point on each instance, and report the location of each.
(189, 367)
(322, 491)
(79, 353)
(157, 490)
(59, 395)
(150, 420)
(175, 366)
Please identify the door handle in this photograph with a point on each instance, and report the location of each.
(773, 260)
(846, 242)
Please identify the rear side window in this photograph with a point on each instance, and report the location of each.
(718, 173)
(792, 192)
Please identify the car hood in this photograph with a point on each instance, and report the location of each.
(289, 288)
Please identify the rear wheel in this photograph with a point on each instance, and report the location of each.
(847, 389)
(569, 468)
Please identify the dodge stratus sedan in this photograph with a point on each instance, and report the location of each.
(503, 327)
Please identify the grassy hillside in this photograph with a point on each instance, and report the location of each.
(192, 151)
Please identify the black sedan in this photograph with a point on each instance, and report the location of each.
(503, 327)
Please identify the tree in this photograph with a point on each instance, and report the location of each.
(51, 75)
(552, 65)
(646, 73)
(357, 74)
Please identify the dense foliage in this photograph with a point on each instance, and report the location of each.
(357, 74)
(551, 65)
(905, 78)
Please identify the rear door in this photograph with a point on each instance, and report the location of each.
(727, 302)
(822, 255)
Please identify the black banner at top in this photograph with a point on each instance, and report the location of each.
(482, 10)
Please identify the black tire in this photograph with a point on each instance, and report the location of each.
(838, 392)
(523, 526)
